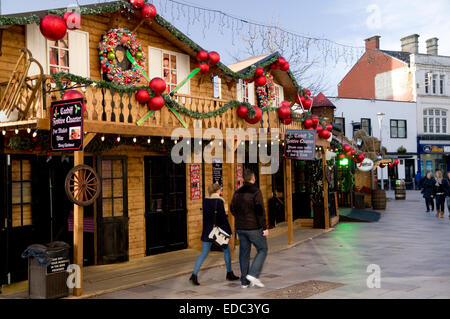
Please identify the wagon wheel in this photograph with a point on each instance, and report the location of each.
(82, 185)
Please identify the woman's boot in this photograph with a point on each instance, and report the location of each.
(442, 214)
(438, 213)
(232, 277)
(194, 280)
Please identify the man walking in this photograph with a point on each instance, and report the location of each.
(247, 207)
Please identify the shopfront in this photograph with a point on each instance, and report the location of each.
(434, 155)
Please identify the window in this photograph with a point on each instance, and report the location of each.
(21, 193)
(435, 121)
(170, 73)
(113, 187)
(365, 125)
(279, 95)
(217, 87)
(434, 83)
(441, 84)
(340, 122)
(243, 87)
(398, 129)
(58, 55)
(427, 77)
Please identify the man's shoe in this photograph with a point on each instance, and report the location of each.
(232, 277)
(255, 281)
(194, 280)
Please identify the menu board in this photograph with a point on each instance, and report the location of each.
(300, 144)
(217, 171)
(66, 125)
(195, 182)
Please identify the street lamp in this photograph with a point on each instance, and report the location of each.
(380, 122)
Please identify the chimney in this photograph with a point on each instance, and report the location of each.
(410, 43)
(432, 46)
(373, 43)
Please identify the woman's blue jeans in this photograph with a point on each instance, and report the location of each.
(206, 247)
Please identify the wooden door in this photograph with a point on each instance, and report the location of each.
(165, 199)
(112, 215)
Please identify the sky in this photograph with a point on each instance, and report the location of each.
(347, 22)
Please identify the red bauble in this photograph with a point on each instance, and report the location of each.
(157, 85)
(286, 103)
(148, 11)
(274, 66)
(353, 152)
(72, 20)
(315, 120)
(325, 134)
(284, 112)
(341, 156)
(72, 94)
(319, 128)
(261, 81)
(142, 96)
(202, 56)
(281, 62)
(285, 67)
(348, 154)
(259, 72)
(360, 158)
(213, 57)
(251, 80)
(156, 103)
(396, 162)
(53, 27)
(391, 165)
(329, 127)
(347, 148)
(287, 121)
(204, 68)
(307, 104)
(382, 165)
(242, 111)
(137, 4)
(307, 92)
(257, 117)
(307, 123)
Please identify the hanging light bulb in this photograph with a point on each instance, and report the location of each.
(200, 142)
(28, 130)
(118, 139)
(134, 139)
(188, 142)
(259, 145)
(220, 143)
(149, 140)
(103, 138)
(3, 132)
(176, 141)
(16, 131)
(34, 133)
(162, 140)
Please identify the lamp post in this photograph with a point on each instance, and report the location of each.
(380, 122)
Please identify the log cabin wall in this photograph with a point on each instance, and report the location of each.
(13, 40)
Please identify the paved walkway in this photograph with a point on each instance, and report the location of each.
(410, 246)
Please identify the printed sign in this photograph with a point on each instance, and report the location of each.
(217, 171)
(58, 264)
(66, 125)
(239, 177)
(300, 144)
(435, 149)
(196, 193)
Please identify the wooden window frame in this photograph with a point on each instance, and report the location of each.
(59, 67)
(21, 181)
(124, 178)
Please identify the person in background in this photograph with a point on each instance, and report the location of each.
(212, 204)
(427, 190)
(418, 179)
(447, 191)
(440, 194)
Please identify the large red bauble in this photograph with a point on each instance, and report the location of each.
(285, 67)
(53, 27)
(142, 96)
(287, 121)
(261, 81)
(213, 57)
(72, 20)
(286, 103)
(204, 68)
(72, 94)
(157, 85)
(307, 104)
(257, 117)
(396, 162)
(325, 134)
(347, 148)
(329, 127)
(360, 158)
(156, 103)
(202, 56)
(137, 4)
(281, 61)
(391, 165)
(307, 123)
(148, 11)
(259, 72)
(242, 111)
(284, 112)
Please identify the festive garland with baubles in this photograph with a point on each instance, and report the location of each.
(108, 61)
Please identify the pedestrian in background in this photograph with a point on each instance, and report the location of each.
(427, 191)
(418, 179)
(440, 194)
(447, 190)
(212, 205)
(247, 207)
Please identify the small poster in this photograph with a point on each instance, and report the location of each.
(66, 125)
(300, 144)
(195, 182)
(239, 177)
(58, 264)
(217, 171)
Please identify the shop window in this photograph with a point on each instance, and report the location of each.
(398, 129)
(340, 123)
(21, 193)
(365, 125)
(113, 187)
(435, 121)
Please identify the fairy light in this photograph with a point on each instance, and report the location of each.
(103, 138)
(118, 139)
(3, 132)
(134, 139)
(34, 133)
(176, 141)
(16, 131)
(162, 140)
(28, 130)
(149, 140)
(188, 142)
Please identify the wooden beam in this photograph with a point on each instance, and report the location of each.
(325, 188)
(288, 199)
(78, 215)
(88, 138)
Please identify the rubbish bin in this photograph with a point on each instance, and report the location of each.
(47, 265)
(400, 189)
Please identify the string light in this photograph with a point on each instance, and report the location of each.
(103, 138)
(176, 141)
(162, 140)
(188, 142)
(28, 130)
(34, 133)
(149, 140)
(16, 130)
(134, 139)
(3, 132)
(118, 139)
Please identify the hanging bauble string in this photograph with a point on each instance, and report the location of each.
(204, 67)
(53, 27)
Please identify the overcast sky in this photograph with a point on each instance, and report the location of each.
(345, 21)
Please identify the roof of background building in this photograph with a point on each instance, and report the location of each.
(403, 56)
(322, 100)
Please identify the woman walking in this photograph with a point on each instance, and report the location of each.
(427, 191)
(440, 193)
(213, 205)
(447, 190)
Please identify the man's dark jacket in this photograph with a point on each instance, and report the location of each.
(247, 207)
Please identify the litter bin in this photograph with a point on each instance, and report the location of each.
(400, 189)
(47, 265)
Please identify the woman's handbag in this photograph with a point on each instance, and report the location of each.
(220, 237)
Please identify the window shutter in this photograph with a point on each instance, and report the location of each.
(37, 44)
(220, 87)
(79, 53)
(154, 63)
(239, 91)
(251, 93)
(183, 70)
(281, 94)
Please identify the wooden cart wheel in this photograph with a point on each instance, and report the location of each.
(82, 185)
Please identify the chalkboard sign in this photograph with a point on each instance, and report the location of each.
(300, 144)
(58, 264)
(66, 125)
(217, 171)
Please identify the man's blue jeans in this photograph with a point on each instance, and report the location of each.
(206, 247)
(246, 239)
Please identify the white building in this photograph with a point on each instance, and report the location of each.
(398, 130)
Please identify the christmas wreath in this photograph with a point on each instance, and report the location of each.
(266, 93)
(113, 56)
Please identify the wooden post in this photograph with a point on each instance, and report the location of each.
(78, 212)
(287, 166)
(325, 188)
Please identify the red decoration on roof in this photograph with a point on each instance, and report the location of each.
(321, 100)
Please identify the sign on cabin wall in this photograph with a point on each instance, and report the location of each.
(239, 176)
(217, 171)
(66, 125)
(300, 144)
(195, 182)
